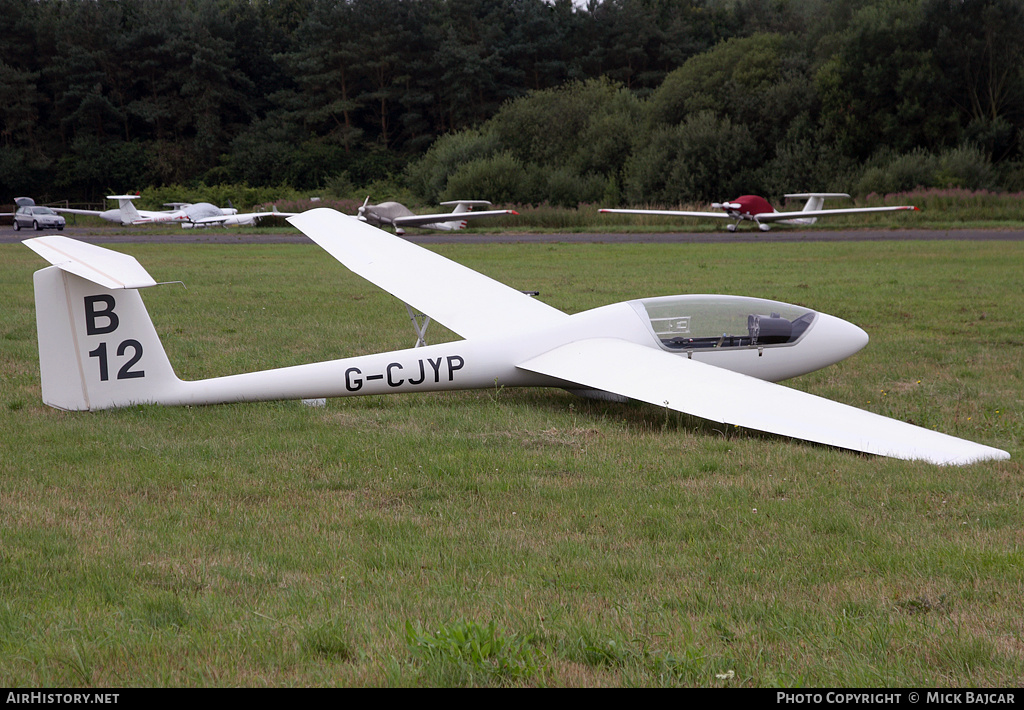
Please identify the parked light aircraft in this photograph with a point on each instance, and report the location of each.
(758, 210)
(716, 357)
(399, 216)
(188, 215)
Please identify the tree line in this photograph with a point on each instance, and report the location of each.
(511, 100)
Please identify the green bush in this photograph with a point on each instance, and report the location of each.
(428, 177)
(963, 167)
(500, 178)
(703, 159)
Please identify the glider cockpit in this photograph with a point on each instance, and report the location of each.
(700, 322)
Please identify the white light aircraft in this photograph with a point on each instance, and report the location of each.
(758, 210)
(716, 357)
(188, 215)
(399, 216)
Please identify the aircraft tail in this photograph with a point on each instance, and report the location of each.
(97, 344)
(461, 207)
(129, 213)
(466, 205)
(815, 202)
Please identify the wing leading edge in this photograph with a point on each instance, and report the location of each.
(713, 393)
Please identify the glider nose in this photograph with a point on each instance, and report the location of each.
(836, 339)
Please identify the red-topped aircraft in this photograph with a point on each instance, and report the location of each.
(758, 210)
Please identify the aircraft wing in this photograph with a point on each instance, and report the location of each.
(74, 211)
(424, 219)
(247, 218)
(672, 213)
(461, 299)
(783, 216)
(696, 388)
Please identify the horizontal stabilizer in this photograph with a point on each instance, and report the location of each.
(105, 267)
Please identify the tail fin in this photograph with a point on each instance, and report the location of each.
(97, 344)
(815, 200)
(129, 213)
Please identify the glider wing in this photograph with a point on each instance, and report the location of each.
(461, 299)
(720, 395)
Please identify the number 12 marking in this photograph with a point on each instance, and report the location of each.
(126, 372)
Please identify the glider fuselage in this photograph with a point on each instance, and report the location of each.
(126, 363)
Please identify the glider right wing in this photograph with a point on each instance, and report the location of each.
(463, 300)
(710, 392)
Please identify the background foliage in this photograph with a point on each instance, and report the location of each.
(526, 101)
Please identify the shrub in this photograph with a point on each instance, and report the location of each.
(704, 159)
(428, 177)
(499, 178)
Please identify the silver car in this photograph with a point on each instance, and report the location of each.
(37, 217)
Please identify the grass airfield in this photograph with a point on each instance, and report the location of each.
(518, 537)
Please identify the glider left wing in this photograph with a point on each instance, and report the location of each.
(463, 300)
(713, 393)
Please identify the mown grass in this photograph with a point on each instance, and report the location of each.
(511, 537)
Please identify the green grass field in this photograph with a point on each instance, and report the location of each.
(518, 537)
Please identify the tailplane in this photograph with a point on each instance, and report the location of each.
(466, 205)
(97, 344)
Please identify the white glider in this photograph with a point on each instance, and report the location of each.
(188, 215)
(399, 216)
(715, 357)
(756, 209)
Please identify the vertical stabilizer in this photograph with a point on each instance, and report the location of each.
(129, 213)
(815, 203)
(97, 346)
